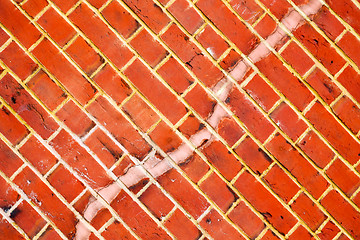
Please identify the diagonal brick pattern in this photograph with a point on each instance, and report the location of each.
(179, 119)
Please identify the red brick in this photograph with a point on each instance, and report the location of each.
(288, 121)
(140, 113)
(308, 211)
(229, 130)
(351, 81)
(325, 87)
(120, 19)
(351, 46)
(229, 62)
(212, 42)
(81, 204)
(46, 90)
(331, 130)
(82, 53)
(253, 156)
(217, 190)
(155, 91)
(218, 155)
(33, 7)
(298, 166)
(269, 235)
(101, 35)
(106, 150)
(117, 230)
(201, 66)
(261, 92)
(65, 183)
(286, 82)
(80, 160)
(186, 15)
(271, 209)
(50, 205)
(65, 5)
(251, 224)
(102, 217)
(3, 37)
(136, 218)
(337, 206)
(343, 237)
(11, 128)
(150, 13)
(119, 127)
(97, 3)
(16, 59)
(27, 219)
(212, 222)
(156, 202)
(226, 21)
(183, 193)
(316, 149)
(281, 183)
(328, 23)
(56, 27)
(111, 82)
(201, 101)
(190, 126)
(300, 233)
(148, 48)
(18, 24)
(297, 58)
(27, 107)
(50, 234)
(328, 232)
(249, 10)
(67, 75)
(278, 7)
(182, 227)
(123, 166)
(319, 47)
(8, 231)
(194, 167)
(165, 137)
(349, 113)
(348, 11)
(36, 153)
(247, 113)
(343, 177)
(266, 26)
(8, 195)
(175, 75)
(75, 118)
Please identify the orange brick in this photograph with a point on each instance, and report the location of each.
(65, 5)
(349, 78)
(329, 231)
(230, 130)
(33, 7)
(212, 42)
(117, 230)
(328, 23)
(266, 26)
(194, 167)
(201, 101)
(11, 128)
(249, 10)
(182, 227)
(165, 137)
(300, 233)
(297, 58)
(3, 36)
(190, 126)
(349, 113)
(186, 15)
(278, 7)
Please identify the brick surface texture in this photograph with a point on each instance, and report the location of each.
(179, 119)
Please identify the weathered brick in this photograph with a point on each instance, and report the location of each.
(18, 24)
(27, 107)
(226, 21)
(182, 227)
(350, 79)
(298, 166)
(8, 195)
(349, 113)
(117, 230)
(337, 206)
(101, 218)
(33, 7)
(331, 130)
(11, 128)
(56, 26)
(200, 101)
(183, 193)
(266, 26)
(283, 80)
(300, 233)
(271, 209)
(328, 23)
(230, 60)
(297, 58)
(101, 35)
(186, 15)
(165, 137)
(155, 91)
(249, 10)
(230, 130)
(242, 216)
(46, 90)
(65, 5)
(278, 7)
(75, 119)
(8, 231)
(328, 232)
(281, 183)
(17, 60)
(119, 127)
(136, 218)
(67, 75)
(269, 235)
(249, 115)
(3, 36)
(80, 160)
(194, 167)
(212, 42)
(222, 159)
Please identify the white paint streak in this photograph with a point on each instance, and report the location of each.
(155, 166)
